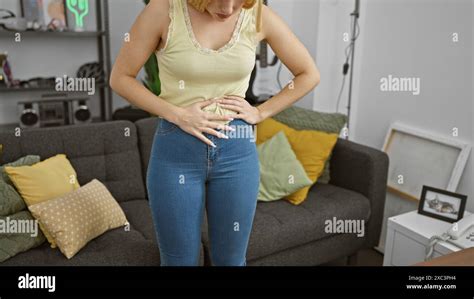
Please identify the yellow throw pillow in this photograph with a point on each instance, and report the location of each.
(44, 181)
(312, 148)
(80, 216)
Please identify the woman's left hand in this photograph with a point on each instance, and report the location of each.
(243, 109)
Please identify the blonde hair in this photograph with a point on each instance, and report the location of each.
(201, 5)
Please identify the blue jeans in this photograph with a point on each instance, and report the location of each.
(185, 176)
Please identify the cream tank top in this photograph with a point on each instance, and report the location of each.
(190, 73)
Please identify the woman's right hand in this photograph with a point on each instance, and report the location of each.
(193, 120)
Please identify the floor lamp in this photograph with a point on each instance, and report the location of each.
(355, 18)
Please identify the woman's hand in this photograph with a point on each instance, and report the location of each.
(194, 121)
(239, 105)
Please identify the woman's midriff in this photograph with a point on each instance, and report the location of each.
(216, 108)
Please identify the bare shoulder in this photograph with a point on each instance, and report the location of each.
(159, 7)
(272, 23)
(155, 14)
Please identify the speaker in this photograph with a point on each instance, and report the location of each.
(81, 113)
(54, 113)
(29, 115)
(40, 114)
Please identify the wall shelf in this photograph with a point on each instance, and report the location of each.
(102, 37)
(5, 33)
(43, 88)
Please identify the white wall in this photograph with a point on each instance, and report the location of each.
(333, 21)
(413, 38)
(405, 38)
(122, 15)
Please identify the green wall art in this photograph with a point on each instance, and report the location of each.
(80, 9)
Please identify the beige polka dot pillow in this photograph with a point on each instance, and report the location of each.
(78, 217)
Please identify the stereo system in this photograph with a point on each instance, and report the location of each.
(54, 112)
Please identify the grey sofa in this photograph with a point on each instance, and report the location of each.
(117, 154)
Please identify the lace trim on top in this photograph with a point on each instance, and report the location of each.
(230, 44)
(253, 24)
(170, 27)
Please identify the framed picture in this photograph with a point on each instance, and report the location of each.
(419, 158)
(54, 14)
(442, 204)
(44, 14)
(32, 11)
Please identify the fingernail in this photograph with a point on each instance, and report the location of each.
(224, 136)
(213, 145)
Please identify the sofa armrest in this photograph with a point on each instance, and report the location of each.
(362, 169)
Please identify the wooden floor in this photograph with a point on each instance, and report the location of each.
(369, 257)
(366, 257)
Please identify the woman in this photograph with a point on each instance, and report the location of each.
(206, 52)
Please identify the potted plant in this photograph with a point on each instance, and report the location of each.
(152, 79)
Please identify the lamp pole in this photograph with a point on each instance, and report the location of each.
(355, 16)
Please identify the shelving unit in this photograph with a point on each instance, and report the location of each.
(26, 89)
(102, 35)
(6, 33)
(40, 88)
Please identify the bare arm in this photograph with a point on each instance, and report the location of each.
(145, 36)
(295, 56)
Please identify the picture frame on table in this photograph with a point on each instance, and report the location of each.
(441, 204)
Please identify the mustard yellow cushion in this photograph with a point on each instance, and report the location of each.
(44, 181)
(312, 148)
(76, 218)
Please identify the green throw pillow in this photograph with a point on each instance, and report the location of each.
(281, 173)
(14, 242)
(304, 119)
(10, 201)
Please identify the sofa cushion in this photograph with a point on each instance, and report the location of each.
(45, 180)
(304, 119)
(115, 248)
(281, 173)
(280, 225)
(104, 151)
(80, 216)
(312, 148)
(13, 243)
(10, 200)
